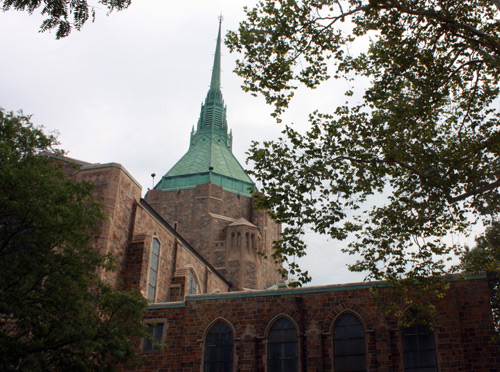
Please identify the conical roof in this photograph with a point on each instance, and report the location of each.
(210, 158)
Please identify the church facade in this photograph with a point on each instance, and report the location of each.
(194, 245)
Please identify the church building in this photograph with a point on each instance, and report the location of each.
(206, 197)
(193, 247)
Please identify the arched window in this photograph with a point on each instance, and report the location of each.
(282, 350)
(232, 240)
(247, 239)
(153, 269)
(349, 344)
(219, 346)
(239, 240)
(193, 283)
(419, 349)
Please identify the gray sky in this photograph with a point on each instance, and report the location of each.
(128, 89)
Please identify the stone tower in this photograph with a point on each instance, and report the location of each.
(206, 197)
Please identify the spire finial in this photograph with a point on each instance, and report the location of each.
(215, 82)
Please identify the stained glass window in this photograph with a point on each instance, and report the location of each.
(349, 345)
(193, 284)
(419, 349)
(219, 346)
(282, 350)
(153, 269)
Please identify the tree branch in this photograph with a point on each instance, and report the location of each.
(482, 38)
(489, 187)
(424, 175)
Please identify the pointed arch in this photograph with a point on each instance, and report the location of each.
(288, 312)
(214, 318)
(192, 280)
(218, 354)
(282, 345)
(359, 311)
(349, 343)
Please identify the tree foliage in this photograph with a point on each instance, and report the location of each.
(64, 15)
(485, 256)
(55, 313)
(425, 134)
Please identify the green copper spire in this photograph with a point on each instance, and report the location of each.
(215, 82)
(209, 158)
(213, 111)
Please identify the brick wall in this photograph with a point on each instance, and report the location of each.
(463, 328)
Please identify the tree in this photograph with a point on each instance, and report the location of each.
(64, 15)
(55, 313)
(425, 133)
(485, 256)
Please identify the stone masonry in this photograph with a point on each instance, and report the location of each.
(225, 228)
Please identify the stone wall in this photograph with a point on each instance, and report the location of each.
(118, 191)
(463, 328)
(147, 228)
(205, 216)
(127, 234)
(175, 261)
(191, 212)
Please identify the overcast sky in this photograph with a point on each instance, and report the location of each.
(128, 89)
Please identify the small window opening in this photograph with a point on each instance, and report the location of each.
(193, 283)
(153, 270)
(154, 341)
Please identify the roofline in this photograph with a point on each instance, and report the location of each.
(160, 219)
(209, 173)
(112, 165)
(66, 159)
(195, 186)
(296, 291)
(89, 166)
